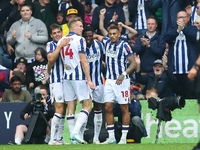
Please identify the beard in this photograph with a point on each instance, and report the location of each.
(16, 91)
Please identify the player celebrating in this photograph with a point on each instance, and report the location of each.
(117, 81)
(55, 69)
(94, 54)
(76, 76)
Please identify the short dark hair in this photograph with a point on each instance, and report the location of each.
(43, 87)
(15, 78)
(23, 5)
(42, 51)
(60, 13)
(114, 27)
(153, 17)
(55, 26)
(88, 28)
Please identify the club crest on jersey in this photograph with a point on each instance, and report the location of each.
(68, 67)
(59, 97)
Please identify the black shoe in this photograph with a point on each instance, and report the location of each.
(11, 143)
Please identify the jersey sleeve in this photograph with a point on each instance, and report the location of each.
(49, 48)
(127, 50)
(82, 46)
(105, 40)
(102, 48)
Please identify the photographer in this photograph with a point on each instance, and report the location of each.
(137, 129)
(39, 130)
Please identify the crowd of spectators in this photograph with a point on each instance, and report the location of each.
(24, 28)
(164, 52)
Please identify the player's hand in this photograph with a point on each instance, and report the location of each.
(46, 77)
(28, 35)
(14, 34)
(64, 42)
(192, 74)
(26, 116)
(120, 79)
(92, 86)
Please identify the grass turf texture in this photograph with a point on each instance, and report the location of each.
(176, 146)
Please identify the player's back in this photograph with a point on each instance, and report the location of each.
(71, 58)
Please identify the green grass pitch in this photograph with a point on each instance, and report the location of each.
(101, 147)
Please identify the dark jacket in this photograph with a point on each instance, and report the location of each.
(164, 84)
(108, 15)
(6, 8)
(175, 7)
(149, 6)
(40, 126)
(190, 34)
(149, 55)
(46, 13)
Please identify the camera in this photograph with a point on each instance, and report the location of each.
(37, 103)
(165, 105)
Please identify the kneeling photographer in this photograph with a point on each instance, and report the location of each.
(137, 129)
(41, 104)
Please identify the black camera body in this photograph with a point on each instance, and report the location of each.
(165, 106)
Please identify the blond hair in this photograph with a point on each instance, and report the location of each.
(73, 21)
(151, 90)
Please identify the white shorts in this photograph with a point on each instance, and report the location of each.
(76, 89)
(97, 94)
(119, 93)
(56, 92)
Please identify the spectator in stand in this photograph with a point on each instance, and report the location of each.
(60, 18)
(132, 42)
(7, 74)
(192, 11)
(27, 34)
(45, 10)
(64, 6)
(161, 78)
(71, 13)
(140, 10)
(113, 11)
(5, 11)
(16, 94)
(128, 20)
(89, 9)
(182, 53)
(169, 9)
(12, 18)
(149, 46)
(125, 37)
(36, 70)
(197, 23)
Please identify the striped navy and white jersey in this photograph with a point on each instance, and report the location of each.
(141, 20)
(116, 58)
(70, 56)
(56, 74)
(180, 55)
(194, 15)
(94, 57)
